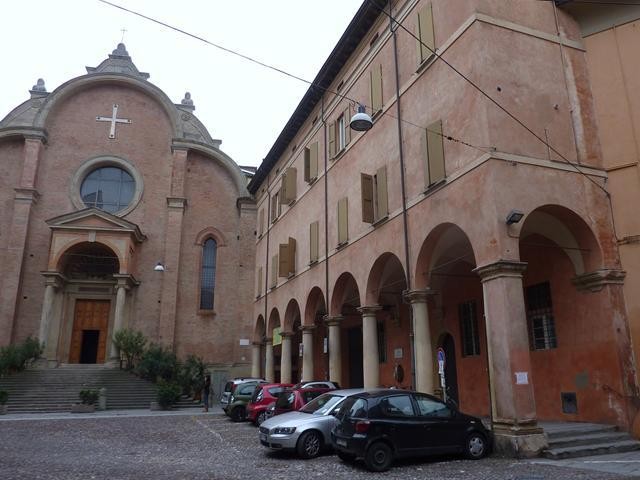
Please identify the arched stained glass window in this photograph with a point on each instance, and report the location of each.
(208, 274)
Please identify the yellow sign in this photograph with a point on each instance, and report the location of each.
(277, 338)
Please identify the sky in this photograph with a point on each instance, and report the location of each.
(243, 104)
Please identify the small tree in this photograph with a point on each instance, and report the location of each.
(168, 394)
(130, 343)
(15, 358)
(191, 375)
(158, 363)
(89, 396)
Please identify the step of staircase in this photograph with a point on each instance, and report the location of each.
(572, 440)
(55, 390)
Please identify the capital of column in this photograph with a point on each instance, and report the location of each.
(333, 320)
(54, 279)
(286, 334)
(369, 310)
(26, 195)
(268, 340)
(307, 328)
(501, 268)
(257, 344)
(418, 296)
(125, 280)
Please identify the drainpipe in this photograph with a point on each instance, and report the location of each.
(404, 193)
(267, 263)
(326, 226)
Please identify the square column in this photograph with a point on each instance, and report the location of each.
(335, 352)
(307, 352)
(256, 349)
(269, 373)
(370, 355)
(513, 407)
(422, 346)
(285, 358)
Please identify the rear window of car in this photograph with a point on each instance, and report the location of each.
(308, 396)
(246, 389)
(354, 408)
(285, 400)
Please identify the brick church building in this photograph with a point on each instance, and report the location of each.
(118, 209)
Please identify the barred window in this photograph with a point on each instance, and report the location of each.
(208, 274)
(542, 329)
(467, 313)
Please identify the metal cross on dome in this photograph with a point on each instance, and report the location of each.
(113, 119)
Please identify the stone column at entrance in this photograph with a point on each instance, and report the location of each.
(370, 355)
(285, 358)
(125, 283)
(513, 404)
(52, 283)
(269, 374)
(307, 352)
(255, 359)
(422, 346)
(335, 352)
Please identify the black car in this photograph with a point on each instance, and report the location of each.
(382, 425)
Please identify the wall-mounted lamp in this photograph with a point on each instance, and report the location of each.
(159, 267)
(514, 217)
(361, 121)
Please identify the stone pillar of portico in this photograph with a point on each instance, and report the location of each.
(335, 351)
(269, 374)
(124, 283)
(370, 355)
(285, 358)
(53, 281)
(422, 347)
(256, 349)
(513, 406)
(307, 352)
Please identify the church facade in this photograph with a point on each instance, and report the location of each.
(118, 209)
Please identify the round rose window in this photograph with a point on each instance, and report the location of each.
(108, 188)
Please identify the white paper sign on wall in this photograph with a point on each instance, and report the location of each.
(522, 378)
(244, 342)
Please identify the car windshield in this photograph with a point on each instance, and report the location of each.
(322, 405)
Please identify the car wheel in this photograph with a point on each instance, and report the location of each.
(378, 457)
(309, 444)
(346, 457)
(261, 418)
(475, 446)
(238, 414)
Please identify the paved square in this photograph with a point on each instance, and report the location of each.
(191, 445)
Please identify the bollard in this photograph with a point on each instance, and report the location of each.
(102, 399)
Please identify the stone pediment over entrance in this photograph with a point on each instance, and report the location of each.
(93, 219)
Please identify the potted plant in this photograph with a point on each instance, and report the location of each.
(4, 396)
(88, 398)
(168, 394)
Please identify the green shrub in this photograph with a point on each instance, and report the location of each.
(130, 343)
(191, 375)
(168, 394)
(15, 358)
(89, 397)
(158, 363)
(4, 396)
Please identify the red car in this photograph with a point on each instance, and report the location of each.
(264, 396)
(294, 399)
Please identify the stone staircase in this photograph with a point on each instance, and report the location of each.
(56, 389)
(571, 440)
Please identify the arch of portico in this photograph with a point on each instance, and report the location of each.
(314, 331)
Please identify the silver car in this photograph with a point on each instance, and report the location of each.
(307, 431)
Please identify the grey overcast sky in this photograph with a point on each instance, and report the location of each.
(241, 103)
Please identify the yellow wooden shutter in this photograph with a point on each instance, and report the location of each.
(347, 129)
(427, 43)
(343, 221)
(313, 241)
(375, 78)
(259, 281)
(366, 193)
(382, 200)
(261, 222)
(435, 153)
(291, 250)
(289, 180)
(274, 270)
(332, 140)
(283, 260)
(313, 161)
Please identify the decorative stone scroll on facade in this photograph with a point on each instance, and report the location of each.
(596, 281)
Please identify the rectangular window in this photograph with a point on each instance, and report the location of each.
(261, 222)
(375, 203)
(287, 256)
(288, 186)
(332, 140)
(259, 281)
(426, 43)
(276, 208)
(343, 221)
(375, 88)
(434, 168)
(311, 163)
(382, 343)
(274, 271)
(467, 313)
(542, 327)
(342, 139)
(314, 235)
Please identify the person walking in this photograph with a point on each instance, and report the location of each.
(205, 391)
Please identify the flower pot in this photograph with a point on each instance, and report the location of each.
(155, 406)
(82, 408)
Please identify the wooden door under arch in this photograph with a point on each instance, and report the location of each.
(90, 328)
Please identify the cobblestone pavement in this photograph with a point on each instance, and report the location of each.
(196, 446)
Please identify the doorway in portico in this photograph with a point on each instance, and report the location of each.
(89, 336)
(450, 373)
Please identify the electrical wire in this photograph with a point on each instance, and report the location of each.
(288, 74)
(487, 96)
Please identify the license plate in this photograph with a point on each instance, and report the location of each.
(263, 437)
(342, 443)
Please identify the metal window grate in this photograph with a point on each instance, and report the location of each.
(542, 327)
(467, 312)
(208, 275)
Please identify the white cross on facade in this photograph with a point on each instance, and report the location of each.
(113, 119)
